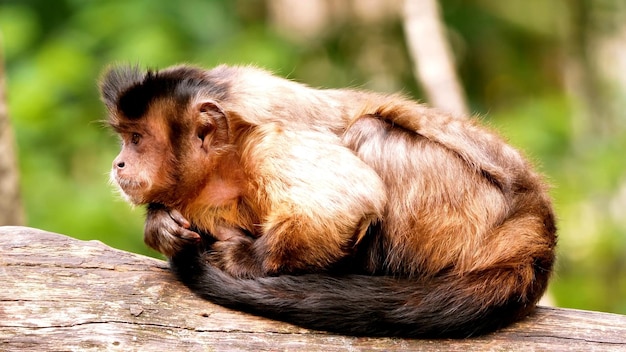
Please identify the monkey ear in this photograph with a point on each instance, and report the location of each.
(212, 128)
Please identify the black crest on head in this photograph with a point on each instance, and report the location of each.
(130, 91)
(116, 80)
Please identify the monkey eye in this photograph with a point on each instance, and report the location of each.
(134, 139)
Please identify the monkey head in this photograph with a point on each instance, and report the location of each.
(167, 124)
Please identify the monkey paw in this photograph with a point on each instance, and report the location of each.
(167, 231)
(236, 257)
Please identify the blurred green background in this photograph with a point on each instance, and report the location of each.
(550, 75)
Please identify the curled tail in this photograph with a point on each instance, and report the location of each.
(362, 305)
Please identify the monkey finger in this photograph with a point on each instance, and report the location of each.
(169, 227)
(189, 235)
(179, 218)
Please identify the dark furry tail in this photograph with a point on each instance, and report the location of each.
(361, 305)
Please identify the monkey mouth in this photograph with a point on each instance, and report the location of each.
(129, 185)
(131, 189)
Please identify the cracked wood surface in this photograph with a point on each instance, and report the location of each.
(62, 294)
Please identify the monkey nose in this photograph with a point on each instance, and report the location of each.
(118, 164)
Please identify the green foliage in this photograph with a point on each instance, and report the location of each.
(510, 55)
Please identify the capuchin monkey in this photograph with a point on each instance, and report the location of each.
(340, 210)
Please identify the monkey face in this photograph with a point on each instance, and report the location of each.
(142, 168)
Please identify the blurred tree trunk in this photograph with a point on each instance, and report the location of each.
(432, 57)
(580, 76)
(595, 68)
(11, 212)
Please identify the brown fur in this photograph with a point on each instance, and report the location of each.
(286, 179)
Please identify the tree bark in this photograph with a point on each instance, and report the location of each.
(60, 293)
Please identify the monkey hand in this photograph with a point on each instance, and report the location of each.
(167, 231)
(235, 256)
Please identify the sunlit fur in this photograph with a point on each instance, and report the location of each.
(341, 210)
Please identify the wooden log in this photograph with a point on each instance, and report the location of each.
(59, 293)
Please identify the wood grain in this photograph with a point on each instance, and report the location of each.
(62, 294)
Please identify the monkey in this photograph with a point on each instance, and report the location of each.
(341, 210)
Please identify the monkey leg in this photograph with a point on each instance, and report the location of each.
(315, 199)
